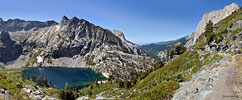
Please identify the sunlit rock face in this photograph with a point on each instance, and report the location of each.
(215, 17)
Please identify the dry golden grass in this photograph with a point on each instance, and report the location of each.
(229, 58)
(239, 61)
(12, 70)
(1, 97)
(212, 66)
(238, 83)
(226, 65)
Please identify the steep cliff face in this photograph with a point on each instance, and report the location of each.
(78, 43)
(10, 50)
(215, 17)
(131, 47)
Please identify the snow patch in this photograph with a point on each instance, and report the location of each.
(106, 75)
(40, 59)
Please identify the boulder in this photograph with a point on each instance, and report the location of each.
(236, 25)
(202, 94)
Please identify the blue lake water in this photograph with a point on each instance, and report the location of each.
(78, 77)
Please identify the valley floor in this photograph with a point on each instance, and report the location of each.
(212, 82)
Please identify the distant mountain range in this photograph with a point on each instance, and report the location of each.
(13, 25)
(155, 50)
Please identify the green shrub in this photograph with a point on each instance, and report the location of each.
(177, 70)
(180, 50)
(236, 31)
(66, 95)
(2, 67)
(127, 84)
(158, 65)
(160, 92)
(89, 60)
(121, 84)
(13, 83)
(49, 60)
(92, 92)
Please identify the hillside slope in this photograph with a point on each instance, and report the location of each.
(216, 81)
(201, 73)
(203, 65)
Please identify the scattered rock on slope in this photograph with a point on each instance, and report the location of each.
(210, 83)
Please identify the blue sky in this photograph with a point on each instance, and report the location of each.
(142, 21)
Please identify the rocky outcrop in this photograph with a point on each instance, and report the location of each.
(119, 34)
(128, 44)
(4, 94)
(231, 42)
(36, 94)
(190, 39)
(215, 17)
(236, 25)
(10, 50)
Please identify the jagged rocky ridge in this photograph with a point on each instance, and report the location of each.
(79, 43)
(13, 25)
(13, 32)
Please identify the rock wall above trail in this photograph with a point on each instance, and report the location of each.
(215, 17)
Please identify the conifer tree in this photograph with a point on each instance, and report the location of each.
(66, 86)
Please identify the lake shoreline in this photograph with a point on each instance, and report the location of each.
(76, 77)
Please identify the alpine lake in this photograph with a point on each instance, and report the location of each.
(59, 76)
